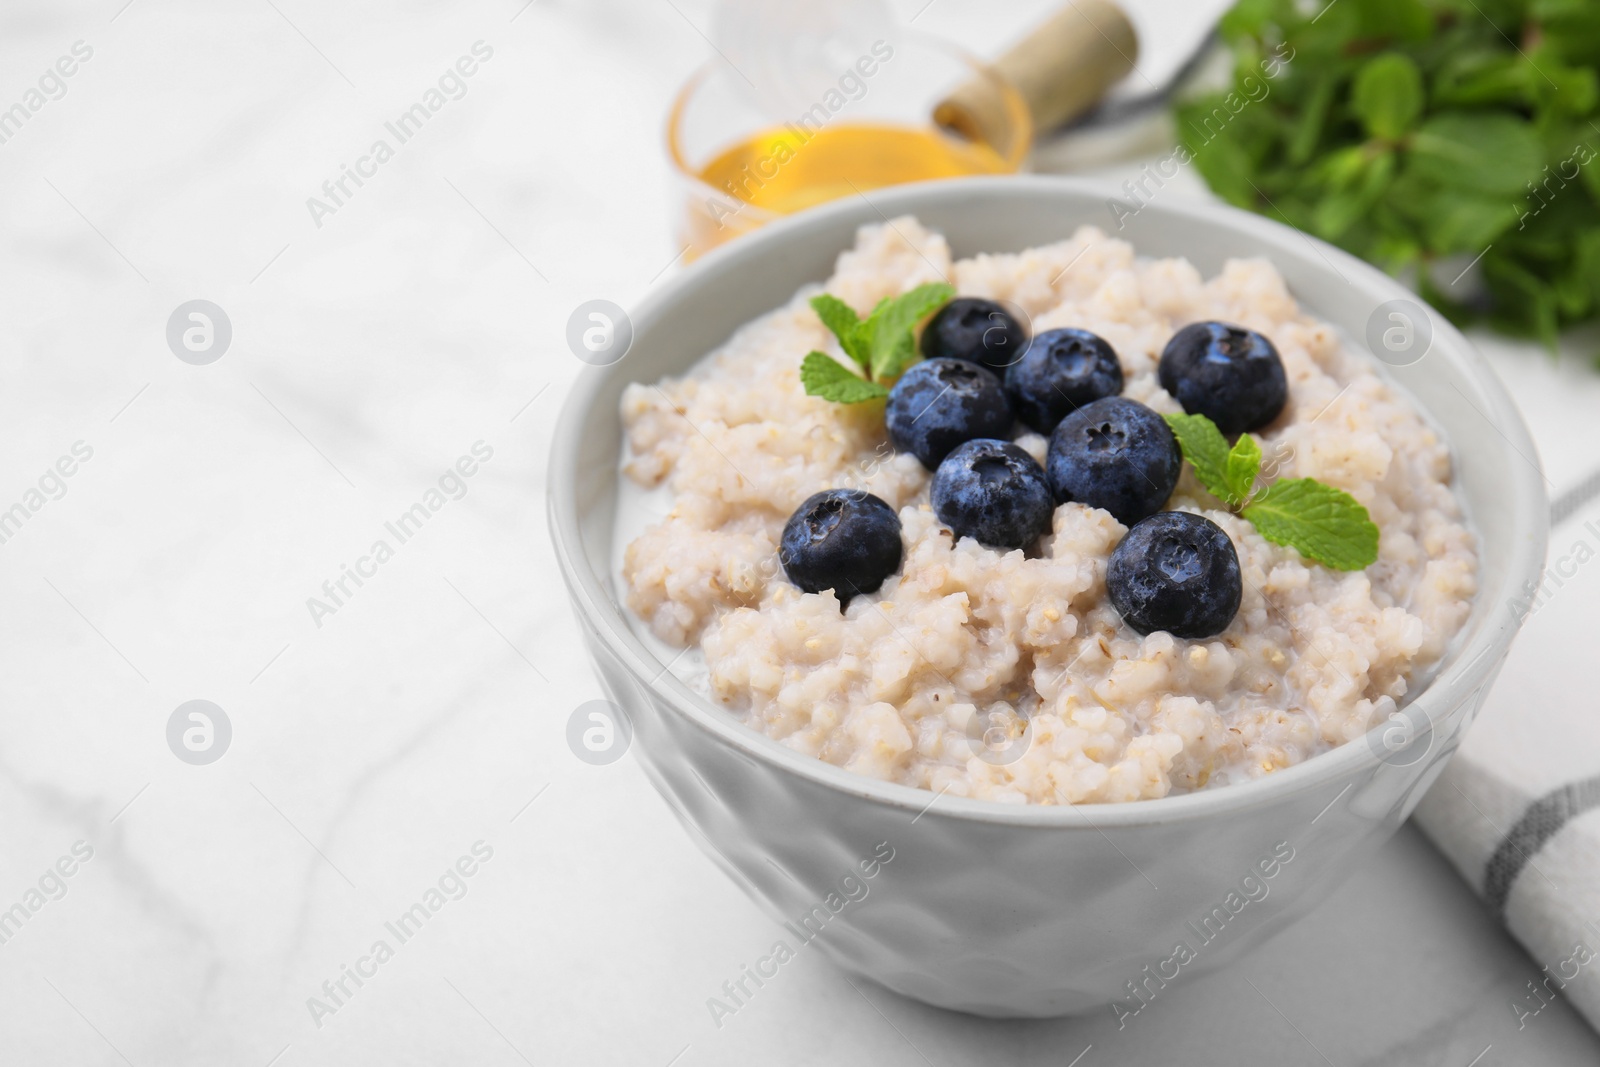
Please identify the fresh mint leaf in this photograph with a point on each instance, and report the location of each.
(1407, 20)
(1341, 209)
(1313, 117)
(891, 322)
(1248, 16)
(1456, 221)
(843, 322)
(1387, 95)
(1341, 170)
(824, 376)
(1482, 76)
(1207, 450)
(1325, 524)
(1244, 462)
(1479, 151)
(1570, 90)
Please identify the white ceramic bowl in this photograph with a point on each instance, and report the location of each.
(1034, 911)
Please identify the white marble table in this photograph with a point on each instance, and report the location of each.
(416, 722)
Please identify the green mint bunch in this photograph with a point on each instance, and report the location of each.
(881, 344)
(1424, 136)
(1323, 523)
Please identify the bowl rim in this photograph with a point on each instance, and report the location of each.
(1462, 670)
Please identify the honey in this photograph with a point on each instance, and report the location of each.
(790, 168)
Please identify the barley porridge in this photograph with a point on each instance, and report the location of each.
(1009, 674)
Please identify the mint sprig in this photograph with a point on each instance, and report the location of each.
(1324, 524)
(881, 344)
(1421, 135)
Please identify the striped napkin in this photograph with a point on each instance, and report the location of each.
(1518, 809)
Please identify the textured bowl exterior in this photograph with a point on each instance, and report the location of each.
(1032, 911)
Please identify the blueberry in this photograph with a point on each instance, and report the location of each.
(993, 492)
(1061, 371)
(1115, 454)
(981, 331)
(1175, 572)
(1231, 375)
(939, 403)
(841, 539)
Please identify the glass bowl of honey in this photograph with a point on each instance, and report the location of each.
(907, 109)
